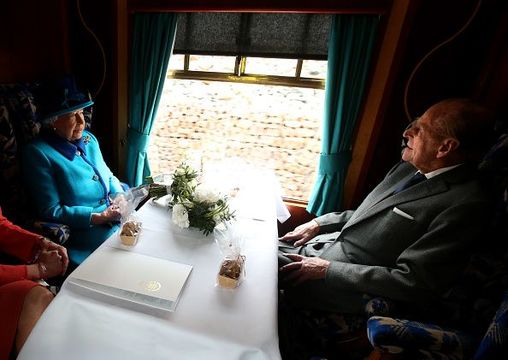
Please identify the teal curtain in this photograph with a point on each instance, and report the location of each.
(350, 49)
(153, 36)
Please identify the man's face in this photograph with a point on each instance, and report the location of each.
(422, 144)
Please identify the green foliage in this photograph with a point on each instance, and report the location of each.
(203, 210)
(184, 184)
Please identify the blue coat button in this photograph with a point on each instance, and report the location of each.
(95, 178)
(102, 201)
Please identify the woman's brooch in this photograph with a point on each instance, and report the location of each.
(86, 139)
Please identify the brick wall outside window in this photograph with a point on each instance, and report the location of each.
(274, 127)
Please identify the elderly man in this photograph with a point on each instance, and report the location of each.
(412, 235)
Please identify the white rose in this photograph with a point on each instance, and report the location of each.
(187, 204)
(180, 171)
(180, 216)
(206, 194)
(216, 219)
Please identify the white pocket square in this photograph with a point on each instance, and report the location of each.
(398, 211)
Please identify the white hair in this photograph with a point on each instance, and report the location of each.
(49, 121)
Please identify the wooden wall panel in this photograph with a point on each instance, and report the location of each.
(92, 42)
(33, 40)
(455, 70)
(342, 6)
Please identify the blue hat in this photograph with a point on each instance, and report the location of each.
(60, 97)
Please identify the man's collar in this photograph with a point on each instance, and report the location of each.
(436, 172)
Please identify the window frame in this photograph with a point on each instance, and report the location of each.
(398, 16)
(240, 76)
(256, 79)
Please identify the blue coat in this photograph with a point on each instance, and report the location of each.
(67, 183)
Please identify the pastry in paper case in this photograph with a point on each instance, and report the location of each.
(130, 232)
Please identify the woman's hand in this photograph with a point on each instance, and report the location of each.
(48, 245)
(111, 214)
(302, 233)
(50, 264)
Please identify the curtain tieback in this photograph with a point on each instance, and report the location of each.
(331, 163)
(137, 140)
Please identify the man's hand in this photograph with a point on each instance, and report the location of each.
(304, 268)
(302, 233)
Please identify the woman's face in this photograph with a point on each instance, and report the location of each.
(71, 125)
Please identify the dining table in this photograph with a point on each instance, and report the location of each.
(209, 322)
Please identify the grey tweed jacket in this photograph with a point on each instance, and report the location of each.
(409, 246)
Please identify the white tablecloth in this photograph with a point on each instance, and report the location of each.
(209, 322)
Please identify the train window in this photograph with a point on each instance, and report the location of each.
(264, 111)
(248, 86)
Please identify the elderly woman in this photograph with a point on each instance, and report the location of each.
(22, 300)
(66, 174)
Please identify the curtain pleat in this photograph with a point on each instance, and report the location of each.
(350, 50)
(153, 36)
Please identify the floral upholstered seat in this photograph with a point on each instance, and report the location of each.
(415, 340)
(18, 125)
(324, 335)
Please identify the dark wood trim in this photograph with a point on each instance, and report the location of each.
(259, 79)
(121, 79)
(377, 98)
(295, 6)
(295, 202)
(34, 40)
(64, 15)
(491, 83)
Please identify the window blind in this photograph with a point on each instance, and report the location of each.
(279, 35)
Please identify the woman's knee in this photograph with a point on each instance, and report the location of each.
(36, 301)
(38, 298)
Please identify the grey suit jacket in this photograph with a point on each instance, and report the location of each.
(409, 246)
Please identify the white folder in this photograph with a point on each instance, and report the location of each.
(139, 278)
